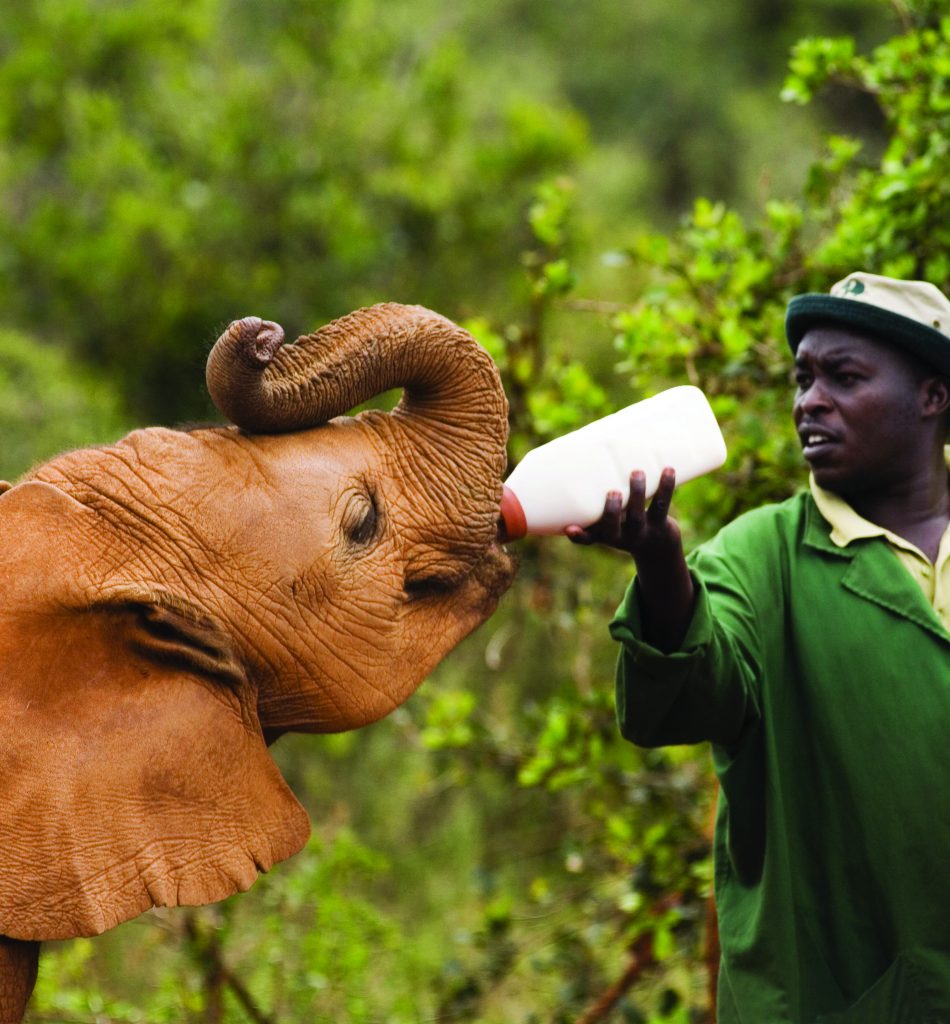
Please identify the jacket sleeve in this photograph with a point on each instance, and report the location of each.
(708, 689)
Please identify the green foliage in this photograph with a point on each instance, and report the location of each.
(305, 946)
(492, 852)
(166, 168)
(713, 315)
(894, 220)
(709, 309)
(48, 403)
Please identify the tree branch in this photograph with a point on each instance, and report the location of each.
(218, 976)
(641, 958)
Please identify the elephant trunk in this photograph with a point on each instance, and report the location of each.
(450, 384)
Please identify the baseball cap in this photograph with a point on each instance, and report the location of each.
(912, 315)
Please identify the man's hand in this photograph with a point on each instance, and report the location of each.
(646, 533)
(653, 538)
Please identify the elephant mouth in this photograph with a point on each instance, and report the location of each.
(480, 587)
(495, 572)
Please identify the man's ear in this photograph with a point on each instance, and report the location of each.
(936, 391)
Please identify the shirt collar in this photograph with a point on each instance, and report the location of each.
(847, 526)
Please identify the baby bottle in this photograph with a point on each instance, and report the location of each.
(566, 481)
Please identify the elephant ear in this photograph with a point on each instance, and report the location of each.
(133, 771)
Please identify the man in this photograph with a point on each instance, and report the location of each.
(809, 642)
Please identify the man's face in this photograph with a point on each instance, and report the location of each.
(858, 410)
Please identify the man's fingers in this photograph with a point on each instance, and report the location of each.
(637, 501)
(621, 527)
(660, 505)
(611, 523)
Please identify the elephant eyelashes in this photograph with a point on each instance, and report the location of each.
(361, 518)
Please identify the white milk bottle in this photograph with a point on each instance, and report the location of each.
(565, 481)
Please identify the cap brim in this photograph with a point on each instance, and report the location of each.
(815, 309)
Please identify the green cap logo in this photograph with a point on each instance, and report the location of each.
(851, 287)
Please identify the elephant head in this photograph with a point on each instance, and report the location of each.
(174, 602)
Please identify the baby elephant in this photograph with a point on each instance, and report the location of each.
(171, 604)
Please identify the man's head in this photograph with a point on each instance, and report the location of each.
(872, 365)
(913, 316)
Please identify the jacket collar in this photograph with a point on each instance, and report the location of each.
(874, 573)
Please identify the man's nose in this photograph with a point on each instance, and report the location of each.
(812, 399)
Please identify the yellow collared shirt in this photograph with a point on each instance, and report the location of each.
(847, 526)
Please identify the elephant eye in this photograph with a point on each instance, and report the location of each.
(361, 518)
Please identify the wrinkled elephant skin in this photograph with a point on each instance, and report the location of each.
(174, 602)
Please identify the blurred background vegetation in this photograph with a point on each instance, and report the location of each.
(614, 198)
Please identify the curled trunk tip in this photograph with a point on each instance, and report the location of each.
(255, 341)
(264, 386)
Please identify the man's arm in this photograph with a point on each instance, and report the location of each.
(653, 538)
(688, 662)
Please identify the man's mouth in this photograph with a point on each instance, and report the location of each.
(815, 441)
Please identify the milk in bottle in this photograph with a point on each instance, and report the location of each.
(566, 481)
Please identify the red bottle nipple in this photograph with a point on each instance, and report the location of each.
(511, 521)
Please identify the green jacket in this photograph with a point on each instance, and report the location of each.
(822, 677)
